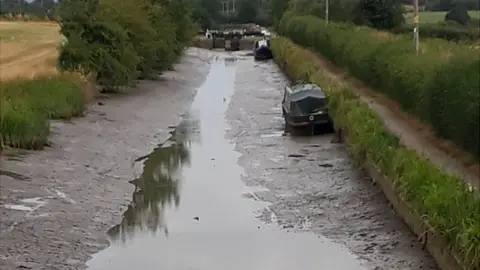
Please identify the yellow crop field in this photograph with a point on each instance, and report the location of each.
(28, 49)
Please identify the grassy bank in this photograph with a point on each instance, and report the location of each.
(32, 90)
(445, 205)
(27, 105)
(114, 44)
(440, 86)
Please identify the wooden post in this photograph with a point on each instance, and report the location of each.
(416, 23)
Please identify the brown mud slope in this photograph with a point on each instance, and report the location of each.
(413, 134)
(56, 205)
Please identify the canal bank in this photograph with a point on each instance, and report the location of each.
(189, 207)
(229, 191)
(57, 204)
(438, 207)
(223, 190)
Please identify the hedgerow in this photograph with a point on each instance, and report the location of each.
(445, 30)
(440, 86)
(446, 205)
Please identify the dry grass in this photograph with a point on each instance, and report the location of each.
(28, 49)
(32, 89)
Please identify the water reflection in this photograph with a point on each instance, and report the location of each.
(215, 228)
(230, 61)
(158, 187)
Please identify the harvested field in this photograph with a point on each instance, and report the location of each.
(28, 49)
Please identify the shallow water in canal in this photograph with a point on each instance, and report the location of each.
(191, 209)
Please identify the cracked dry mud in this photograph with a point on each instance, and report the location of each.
(227, 190)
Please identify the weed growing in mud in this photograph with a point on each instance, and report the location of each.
(444, 203)
(26, 106)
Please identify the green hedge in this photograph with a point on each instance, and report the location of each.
(440, 86)
(442, 201)
(444, 30)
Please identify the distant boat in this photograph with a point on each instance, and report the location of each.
(262, 50)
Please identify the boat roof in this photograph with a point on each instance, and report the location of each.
(300, 91)
(262, 42)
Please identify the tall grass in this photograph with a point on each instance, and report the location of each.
(32, 90)
(26, 106)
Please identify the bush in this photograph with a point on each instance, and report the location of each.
(458, 14)
(388, 63)
(96, 44)
(379, 14)
(120, 41)
(27, 106)
(443, 202)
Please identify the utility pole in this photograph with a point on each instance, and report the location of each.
(327, 4)
(416, 24)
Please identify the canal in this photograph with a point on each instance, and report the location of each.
(230, 190)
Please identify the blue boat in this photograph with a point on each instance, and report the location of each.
(262, 50)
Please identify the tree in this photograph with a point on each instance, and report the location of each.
(458, 13)
(96, 44)
(118, 41)
(180, 12)
(277, 8)
(339, 10)
(380, 14)
(247, 11)
(206, 13)
(157, 188)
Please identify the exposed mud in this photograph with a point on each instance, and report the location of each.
(311, 183)
(188, 211)
(301, 204)
(54, 216)
(192, 211)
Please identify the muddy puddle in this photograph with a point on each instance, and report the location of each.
(191, 209)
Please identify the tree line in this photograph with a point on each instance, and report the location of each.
(34, 8)
(118, 42)
(380, 14)
(208, 13)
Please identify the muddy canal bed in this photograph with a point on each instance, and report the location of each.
(226, 190)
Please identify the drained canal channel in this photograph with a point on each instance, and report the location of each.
(229, 190)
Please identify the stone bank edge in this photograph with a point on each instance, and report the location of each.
(420, 192)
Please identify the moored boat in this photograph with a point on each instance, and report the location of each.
(262, 50)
